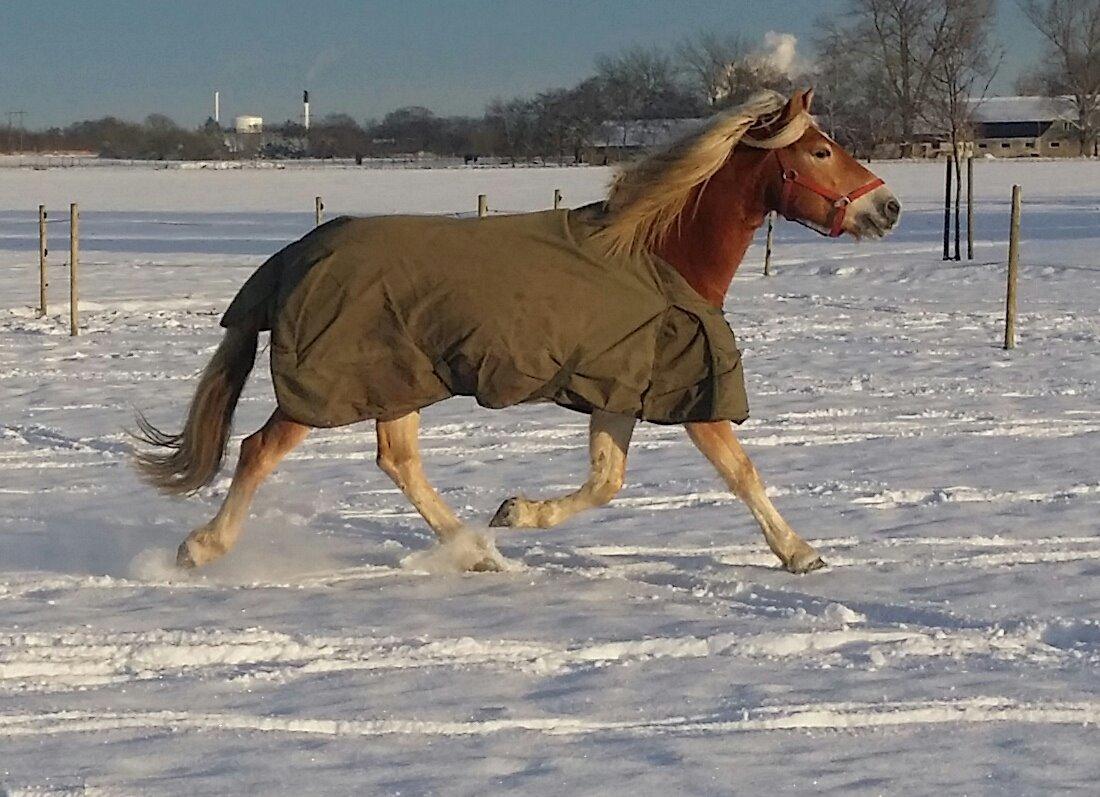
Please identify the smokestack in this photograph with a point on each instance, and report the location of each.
(217, 107)
(305, 110)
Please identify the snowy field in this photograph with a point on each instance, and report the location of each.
(650, 648)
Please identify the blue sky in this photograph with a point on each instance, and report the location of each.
(62, 61)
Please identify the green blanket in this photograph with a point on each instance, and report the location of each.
(378, 317)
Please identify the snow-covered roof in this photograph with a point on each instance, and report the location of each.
(1023, 109)
(656, 132)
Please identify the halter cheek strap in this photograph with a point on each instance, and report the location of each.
(791, 178)
(782, 139)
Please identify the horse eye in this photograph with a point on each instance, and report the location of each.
(822, 153)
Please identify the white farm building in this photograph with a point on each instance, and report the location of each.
(1014, 127)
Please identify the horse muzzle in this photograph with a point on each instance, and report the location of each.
(874, 215)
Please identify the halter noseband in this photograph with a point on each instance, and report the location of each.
(790, 133)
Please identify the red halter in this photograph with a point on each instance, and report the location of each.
(791, 178)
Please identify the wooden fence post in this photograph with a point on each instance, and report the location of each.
(947, 214)
(42, 252)
(557, 198)
(482, 206)
(319, 209)
(1013, 269)
(768, 246)
(970, 206)
(74, 263)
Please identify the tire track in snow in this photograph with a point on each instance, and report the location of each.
(962, 551)
(806, 429)
(53, 450)
(15, 585)
(911, 497)
(984, 551)
(826, 431)
(952, 635)
(861, 494)
(978, 541)
(814, 716)
(78, 660)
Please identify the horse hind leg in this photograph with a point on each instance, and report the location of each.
(399, 458)
(260, 455)
(608, 441)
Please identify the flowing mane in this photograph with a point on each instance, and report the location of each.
(648, 195)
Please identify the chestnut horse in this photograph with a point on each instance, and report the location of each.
(696, 205)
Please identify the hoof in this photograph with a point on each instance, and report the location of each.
(487, 565)
(806, 566)
(184, 560)
(507, 515)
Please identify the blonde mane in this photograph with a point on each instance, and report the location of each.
(649, 195)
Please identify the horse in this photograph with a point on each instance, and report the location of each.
(377, 318)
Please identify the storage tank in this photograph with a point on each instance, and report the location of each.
(249, 124)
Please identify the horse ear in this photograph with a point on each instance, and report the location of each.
(799, 103)
(791, 109)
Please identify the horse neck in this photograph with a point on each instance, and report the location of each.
(708, 242)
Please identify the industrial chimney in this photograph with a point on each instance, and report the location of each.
(305, 109)
(217, 107)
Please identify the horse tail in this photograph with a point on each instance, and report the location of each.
(192, 457)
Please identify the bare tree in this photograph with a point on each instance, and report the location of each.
(514, 122)
(1071, 63)
(707, 59)
(724, 70)
(585, 111)
(849, 89)
(554, 120)
(639, 83)
(901, 39)
(967, 59)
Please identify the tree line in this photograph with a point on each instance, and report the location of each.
(886, 72)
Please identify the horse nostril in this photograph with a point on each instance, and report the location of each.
(892, 209)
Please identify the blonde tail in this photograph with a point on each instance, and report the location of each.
(194, 456)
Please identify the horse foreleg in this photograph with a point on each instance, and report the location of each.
(608, 440)
(260, 454)
(719, 444)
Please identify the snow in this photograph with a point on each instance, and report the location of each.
(652, 647)
(1024, 109)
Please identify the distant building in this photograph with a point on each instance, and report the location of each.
(1013, 127)
(248, 124)
(1004, 127)
(621, 140)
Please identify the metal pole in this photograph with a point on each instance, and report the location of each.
(1013, 269)
(768, 246)
(74, 262)
(482, 206)
(947, 214)
(958, 203)
(557, 198)
(319, 209)
(970, 207)
(42, 252)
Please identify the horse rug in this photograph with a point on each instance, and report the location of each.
(379, 317)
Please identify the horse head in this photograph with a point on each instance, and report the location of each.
(697, 202)
(814, 181)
